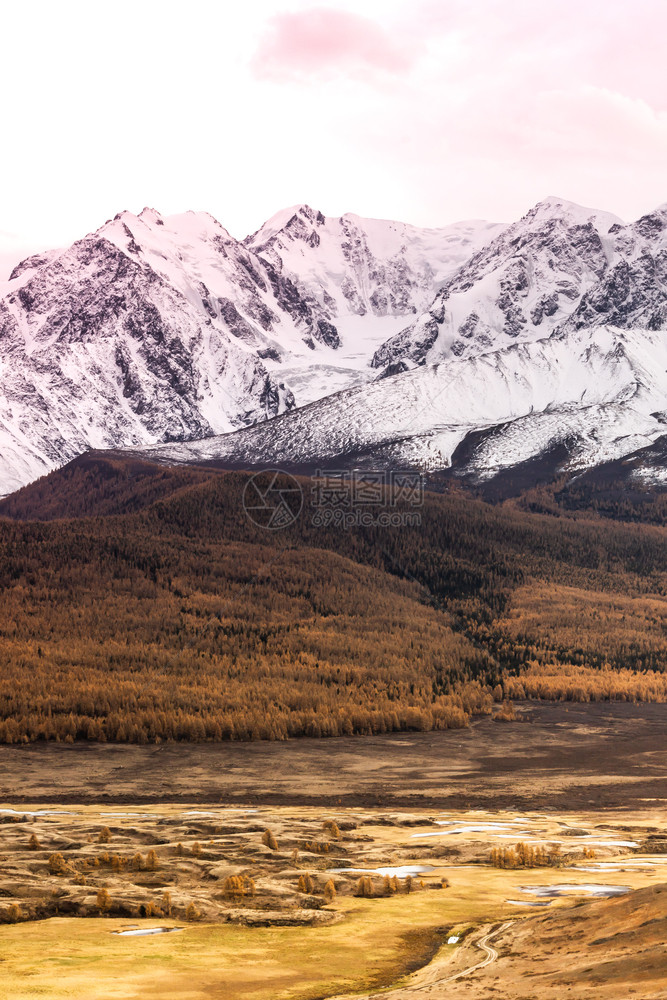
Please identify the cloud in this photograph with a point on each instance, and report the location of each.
(424, 110)
(594, 121)
(325, 42)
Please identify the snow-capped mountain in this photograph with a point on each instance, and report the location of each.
(368, 277)
(155, 329)
(322, 338)
(139, 333)
(601, 394)
(560, 267)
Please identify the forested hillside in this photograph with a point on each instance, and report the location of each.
(172, 616)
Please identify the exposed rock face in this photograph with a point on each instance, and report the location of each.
(155, 330)
(560, 267)
(148, 330)
(385, 272)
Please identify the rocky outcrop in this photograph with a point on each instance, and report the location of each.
(561, 267)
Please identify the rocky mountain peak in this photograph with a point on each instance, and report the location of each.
(561, 266)
(569, 213)
(158, 329)
(298, 222)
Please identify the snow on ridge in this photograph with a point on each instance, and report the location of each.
(560, 267)
(553, 205)
(581, 387)
(268, 230)
(393, 340)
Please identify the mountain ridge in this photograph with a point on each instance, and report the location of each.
(595, 394)
(158, 328)
(156, 331)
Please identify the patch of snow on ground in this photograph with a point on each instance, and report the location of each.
(400, 871)
(530, 902)
(144, 932)
(584, 889)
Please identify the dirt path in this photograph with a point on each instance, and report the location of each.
(483, 943)
(426, 984)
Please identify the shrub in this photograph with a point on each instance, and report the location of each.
(237, 886)
(555, 856)
(58, 865)
(506, 713)
(13, 914)
(316, 847)
(364, 887)
(269, 840)
(233, 887)
(103, 901)
(306, 884)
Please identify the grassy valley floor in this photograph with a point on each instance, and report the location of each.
(277, 941)
(580, 787)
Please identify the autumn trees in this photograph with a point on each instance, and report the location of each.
(525, 855)
(269, 840)
(95, 650)
(162, 622)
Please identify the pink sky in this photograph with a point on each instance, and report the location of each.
(427, 112)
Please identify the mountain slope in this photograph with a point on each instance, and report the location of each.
(476, 346)
(132, 336)
(601, 394)
(369, 278)
(155, 329)
(179, 617)
(560, 267)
